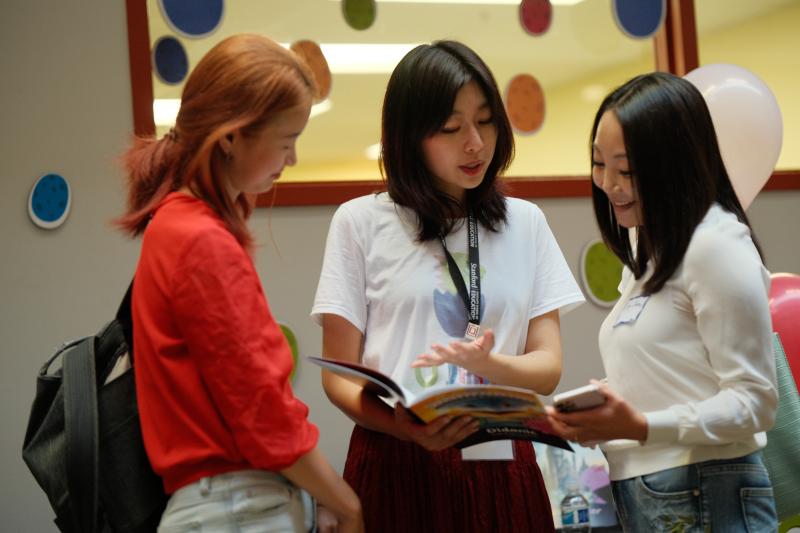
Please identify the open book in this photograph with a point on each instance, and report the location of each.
(504, 412)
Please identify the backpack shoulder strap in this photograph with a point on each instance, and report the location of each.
(125, 318)
(81, 421)
(81, 432)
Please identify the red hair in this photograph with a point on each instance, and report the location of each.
(240, 84)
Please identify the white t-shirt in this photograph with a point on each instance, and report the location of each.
(695, 357)
(399, 293)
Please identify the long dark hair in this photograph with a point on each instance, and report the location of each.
(419, 99)
(677, 172)
(240, 84)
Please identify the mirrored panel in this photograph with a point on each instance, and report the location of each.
(582, 55)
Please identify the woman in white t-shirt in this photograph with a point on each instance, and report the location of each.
(687, 349)
(388, 298)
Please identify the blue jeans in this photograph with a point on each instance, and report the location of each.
(729, 495)
(248, 501)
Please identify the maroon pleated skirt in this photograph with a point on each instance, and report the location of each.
(407, 489)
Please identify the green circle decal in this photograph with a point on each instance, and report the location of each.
(359, 14)
(601, 272)
(790, 525)
(292, 340)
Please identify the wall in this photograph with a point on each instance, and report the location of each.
(65, 107)
(774, 60)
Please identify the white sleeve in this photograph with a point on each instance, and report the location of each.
(341, 289)
(554, 285)
(728, 287)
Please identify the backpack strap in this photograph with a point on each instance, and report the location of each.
(81, 431)
(81, 421)
(125, 319)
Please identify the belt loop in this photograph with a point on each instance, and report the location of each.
(205, 486)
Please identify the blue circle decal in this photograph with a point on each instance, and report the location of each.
(49, 201)
(170, 60)
(639, 19)
(192, 18)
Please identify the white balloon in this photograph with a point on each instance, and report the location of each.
(748, 123)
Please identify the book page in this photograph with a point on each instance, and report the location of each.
(487, 402)
(372, 380)
(503, 413)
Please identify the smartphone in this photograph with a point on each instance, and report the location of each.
(584, 397)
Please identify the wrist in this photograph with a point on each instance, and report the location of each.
(400, 434)
(483, 366)
(641, 428)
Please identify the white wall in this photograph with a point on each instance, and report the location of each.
(65, 107)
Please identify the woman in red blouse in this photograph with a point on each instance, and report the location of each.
(219, 419)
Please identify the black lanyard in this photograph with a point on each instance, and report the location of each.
(471, 299)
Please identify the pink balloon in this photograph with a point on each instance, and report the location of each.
(784, 306)
(748, 123)
(535, 16)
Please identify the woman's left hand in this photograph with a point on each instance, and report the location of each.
(615, 419)
(472, 355)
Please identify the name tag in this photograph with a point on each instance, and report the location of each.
(632, 310)
(494, 450)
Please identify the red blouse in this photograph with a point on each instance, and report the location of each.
(212, 365)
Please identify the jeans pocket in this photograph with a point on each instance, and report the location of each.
(758, 508)
(260, 499)
(667, 502)
(274, 507)
(674, 483)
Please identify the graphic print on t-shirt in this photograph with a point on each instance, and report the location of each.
(450, 310)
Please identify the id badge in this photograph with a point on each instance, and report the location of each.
(630, 313)
(473, 332)
(495, 450)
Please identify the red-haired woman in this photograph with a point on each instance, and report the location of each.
(220, 422)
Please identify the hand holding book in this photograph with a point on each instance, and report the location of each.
(502, 412)
(441, 433)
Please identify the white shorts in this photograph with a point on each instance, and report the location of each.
(243, 501)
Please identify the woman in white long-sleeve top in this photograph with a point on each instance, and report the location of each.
(687, 349)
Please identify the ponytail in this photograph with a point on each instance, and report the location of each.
(150, 165)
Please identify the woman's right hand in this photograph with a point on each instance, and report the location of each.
(440, 434)
(615, 419)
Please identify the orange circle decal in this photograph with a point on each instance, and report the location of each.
(525, 104)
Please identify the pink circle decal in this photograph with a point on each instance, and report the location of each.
(535, 16)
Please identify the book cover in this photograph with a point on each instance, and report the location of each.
(504, 412)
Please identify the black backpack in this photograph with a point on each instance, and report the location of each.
(83, 443)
